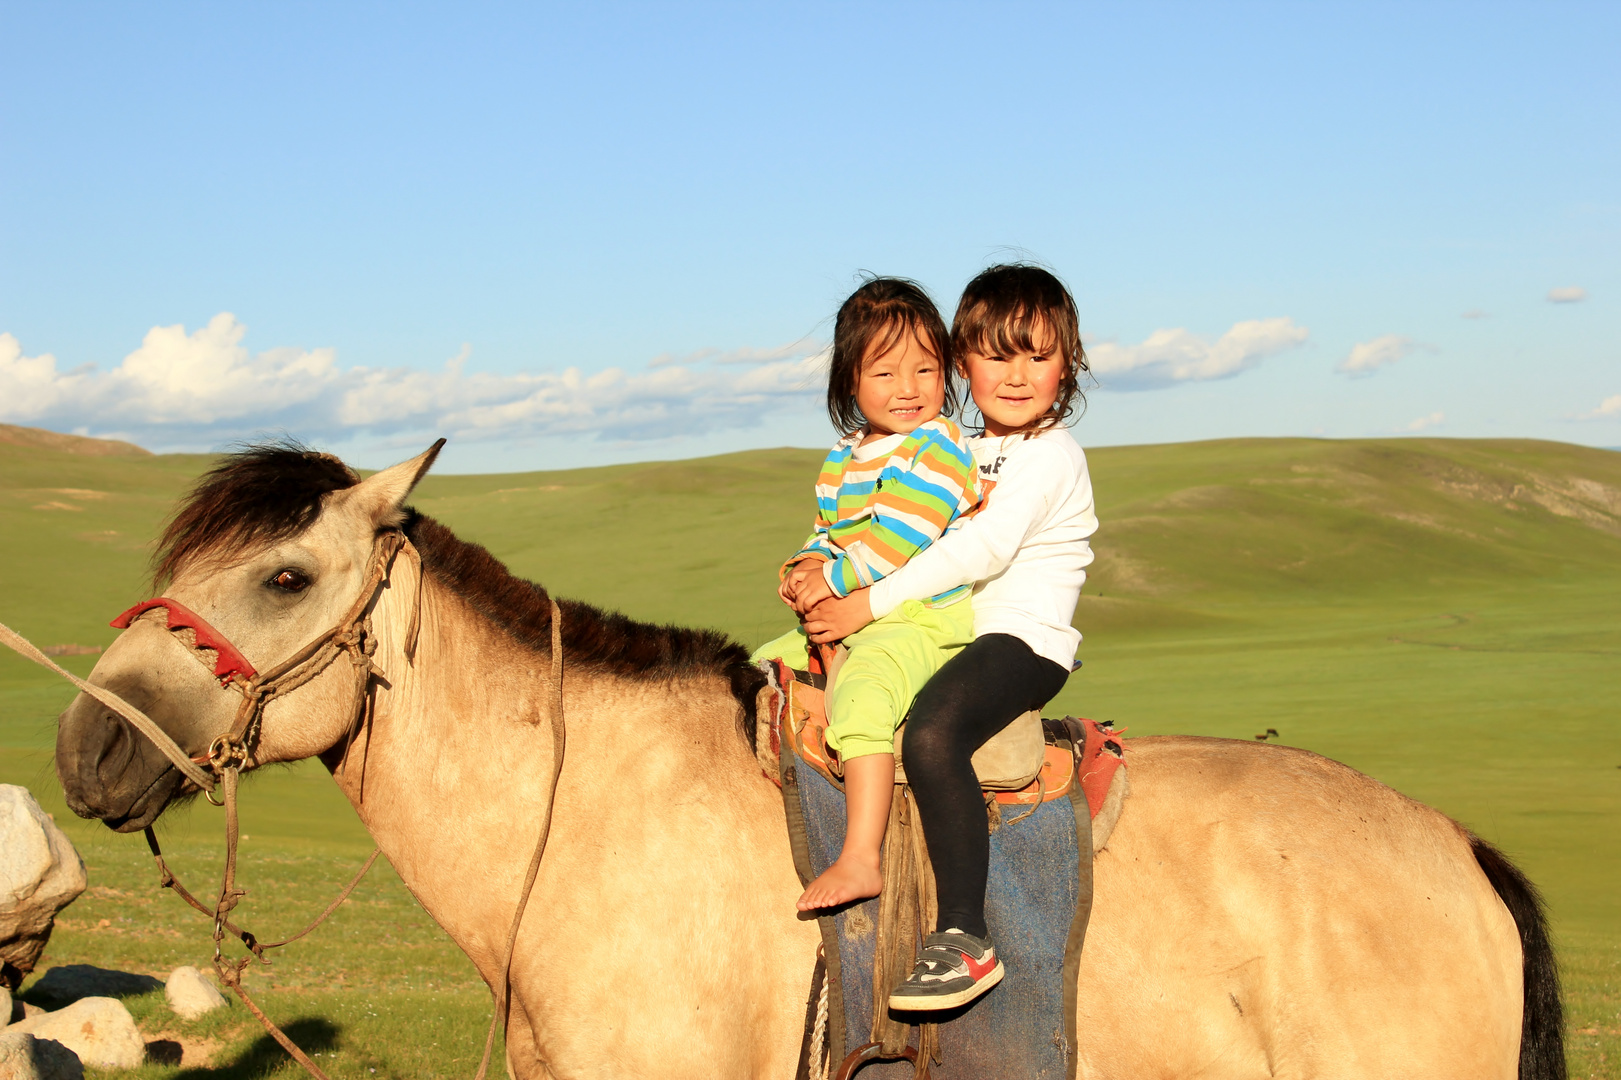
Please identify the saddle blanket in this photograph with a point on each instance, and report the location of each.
(1037, 902)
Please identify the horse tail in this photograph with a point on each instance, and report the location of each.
(1542, 1030)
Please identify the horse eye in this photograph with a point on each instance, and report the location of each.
(289, 580)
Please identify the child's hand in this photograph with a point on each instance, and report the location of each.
(795, 579)
(835, 618)
(812, 590)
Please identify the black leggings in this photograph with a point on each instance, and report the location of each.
(977, 693)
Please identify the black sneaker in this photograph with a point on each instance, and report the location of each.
(953, 969)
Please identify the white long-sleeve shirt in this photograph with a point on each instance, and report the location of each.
(1026, 550)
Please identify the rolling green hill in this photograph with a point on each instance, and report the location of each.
(1442, 614)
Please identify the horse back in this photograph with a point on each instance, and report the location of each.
(1264, 911)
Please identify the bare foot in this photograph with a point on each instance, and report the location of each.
(846, 880)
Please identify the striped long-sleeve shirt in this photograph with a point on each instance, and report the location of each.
(880, 503)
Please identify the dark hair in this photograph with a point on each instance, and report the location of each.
(257, 495)
(1002, 309)
(874, 320)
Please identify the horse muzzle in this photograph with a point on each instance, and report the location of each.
(108, 770)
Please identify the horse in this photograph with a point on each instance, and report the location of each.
(1258, 911)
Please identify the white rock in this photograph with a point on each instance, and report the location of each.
(30, 1009)
(26, 1057)
(191, 994)
(40, 874)
(5, 1005)
(100, 1030)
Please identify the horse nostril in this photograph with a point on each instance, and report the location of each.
(113, 756)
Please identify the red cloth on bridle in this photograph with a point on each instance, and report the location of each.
(229, 663)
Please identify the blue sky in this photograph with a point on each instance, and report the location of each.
(566, 237)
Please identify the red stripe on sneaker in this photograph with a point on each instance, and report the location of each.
(978, 969)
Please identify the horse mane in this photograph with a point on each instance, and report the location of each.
(259, 495)
(601, 641)
(269, 492)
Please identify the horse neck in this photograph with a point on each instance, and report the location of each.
(451, 775)
(468, 700)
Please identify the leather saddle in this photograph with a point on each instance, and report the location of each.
(1009, 761)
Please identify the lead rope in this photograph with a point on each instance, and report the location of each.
(230, 893)
(228, 754)
(818, 1060)
(142, 723)
(503, 993)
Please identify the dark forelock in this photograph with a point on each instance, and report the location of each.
(258, 495)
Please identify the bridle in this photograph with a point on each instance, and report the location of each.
(351, 635)
(229, 753)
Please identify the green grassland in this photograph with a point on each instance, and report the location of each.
(1441, 614)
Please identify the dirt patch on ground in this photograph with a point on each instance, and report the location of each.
(69, 444)
(187, 1051)
(71, 650)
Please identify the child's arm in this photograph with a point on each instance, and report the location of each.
(818, 548)
(983, 546)
(912, 508)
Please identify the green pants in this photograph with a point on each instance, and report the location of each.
(890, 660)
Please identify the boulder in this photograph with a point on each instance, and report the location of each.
(12, 1009)
(26, 1057)
(191, 994)
(40, 874)
(70, 982)
(100, 1030)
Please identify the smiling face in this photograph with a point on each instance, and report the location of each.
(901, 388)
(1016, 388)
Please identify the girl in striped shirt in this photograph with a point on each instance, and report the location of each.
(888, 489)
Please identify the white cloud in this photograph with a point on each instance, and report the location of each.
(1608, 409)
(1368, 356)
(1172, 356)
(174, 379)
(1425, 422)
(204, 388)
(1570, 294)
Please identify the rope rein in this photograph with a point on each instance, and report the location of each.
(818, 1059)
(503, 994)
(233, 751)
(142, 722)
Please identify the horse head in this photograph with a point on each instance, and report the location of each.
(268, 552)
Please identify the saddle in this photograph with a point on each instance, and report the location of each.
(1030, 761)
(1036, 776)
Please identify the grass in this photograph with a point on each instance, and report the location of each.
(1440, 614)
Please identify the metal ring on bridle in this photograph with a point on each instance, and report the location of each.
(226, 751)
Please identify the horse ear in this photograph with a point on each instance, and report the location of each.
(381, 495)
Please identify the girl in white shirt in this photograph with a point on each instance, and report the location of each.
(1017, 339)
